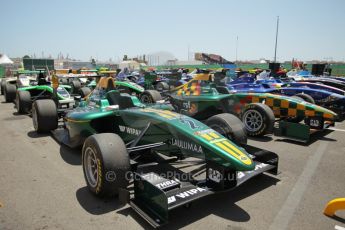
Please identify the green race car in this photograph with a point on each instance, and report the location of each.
(124, 140)
(25, 96)
(201, 99)
(145, 96)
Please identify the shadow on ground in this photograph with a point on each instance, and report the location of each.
(70, 156)
(319, 135)
(34, 134)
(95, 205)
(261, 139)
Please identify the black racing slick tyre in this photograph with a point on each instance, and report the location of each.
(161, 86)
(229, 126)
(44, 115)
(10, 92)
(106, 164)
(258, 119)
(23, 101)
(85, 91)
(150, 96)
(64, 81)
(76, 86)
(306, 97)
(3, 83)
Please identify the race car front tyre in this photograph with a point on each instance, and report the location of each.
(76, 85)
(150, 96)
(229, 126)
(85, 91)
(3, 83)
(160, 86)
(258, 119)
(23, 101)
(10, 92)
(44, 115)
(106, 164)
(306, 97)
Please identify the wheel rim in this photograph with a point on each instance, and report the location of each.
(34, 118)
(91, 166)
(146, 99)
(253, 120)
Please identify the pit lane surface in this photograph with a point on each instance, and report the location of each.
(42, 187)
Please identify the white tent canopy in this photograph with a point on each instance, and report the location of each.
(5, 60)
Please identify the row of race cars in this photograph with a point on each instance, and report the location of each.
(129, 134)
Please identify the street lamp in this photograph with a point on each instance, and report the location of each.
(275, 49)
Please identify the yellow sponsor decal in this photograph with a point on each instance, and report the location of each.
(284, 104)
(77, 121)
(207, 137)
(217, 140)
(310, 113)
(238, 154)
(292, 112)
(328, 115)
(269, 102)
(300, 107)
(226, 146)
(276, 110)
(99, 182)
(192, 88)
(163, 113)
(214, 135)
(255, 99)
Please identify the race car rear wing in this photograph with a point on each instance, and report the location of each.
(73, 75)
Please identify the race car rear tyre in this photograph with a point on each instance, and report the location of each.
(85, 91)
(306, 97)
(3, 83)
(44, 115)
(23, 101)
(229, 126)
(150, 96)
(160, 86)
(106, 164)
(76, 85)
(258, 119)
(297, 119)
(10, 92)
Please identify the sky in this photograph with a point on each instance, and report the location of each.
(104, 29)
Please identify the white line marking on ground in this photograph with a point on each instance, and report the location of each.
(335, 129)
(282, 219)
(337, 227)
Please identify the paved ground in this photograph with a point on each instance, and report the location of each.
(42, 187)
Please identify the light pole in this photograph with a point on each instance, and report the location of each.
(275, 49)
(236, 47)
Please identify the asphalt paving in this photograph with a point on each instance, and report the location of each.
(42, 187)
